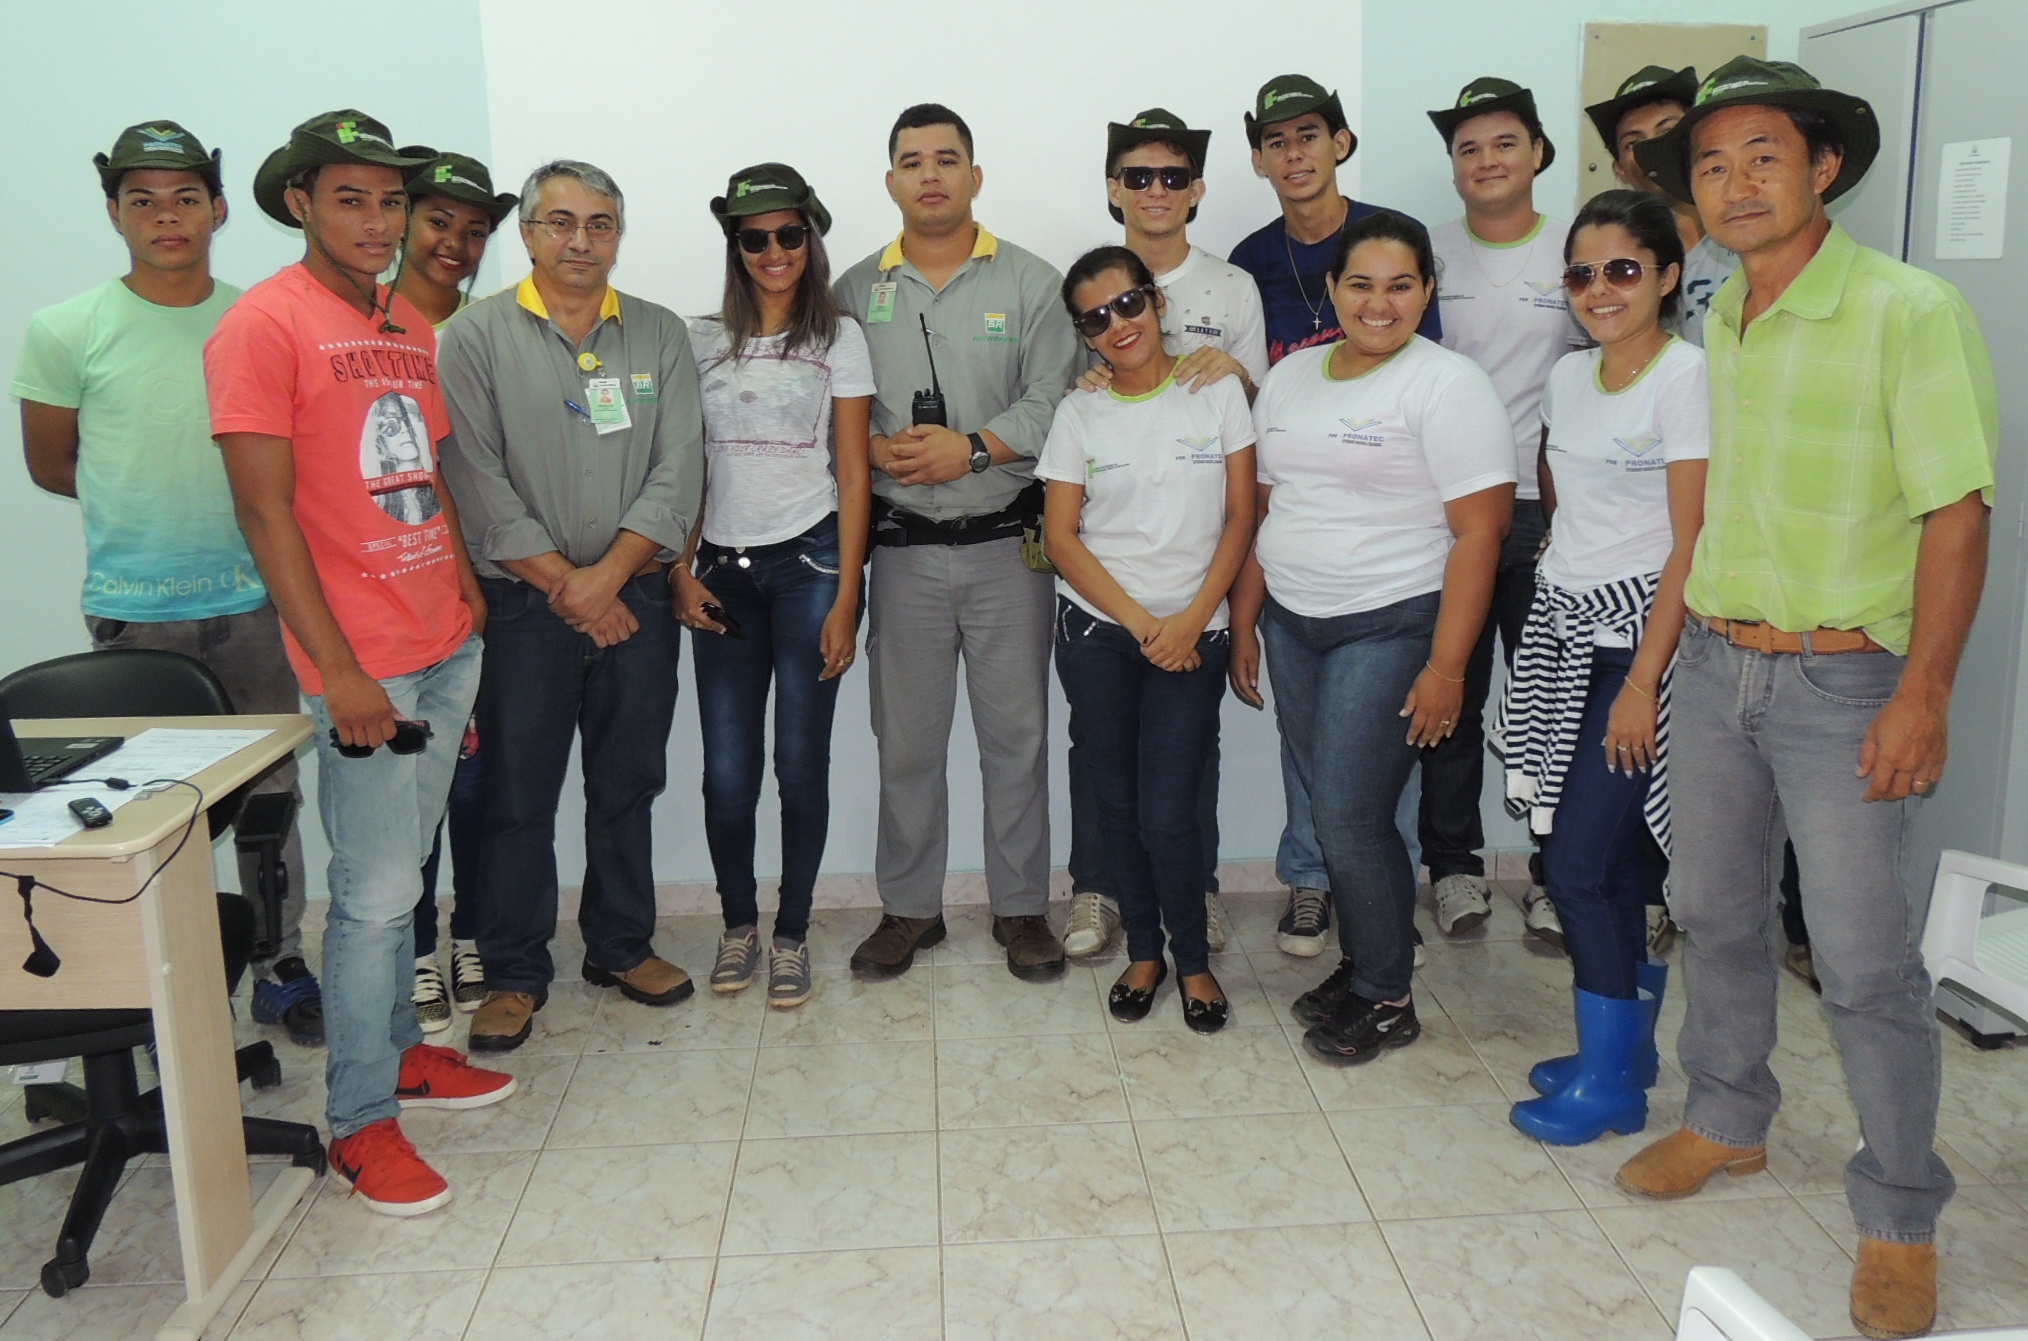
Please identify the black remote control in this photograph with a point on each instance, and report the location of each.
(90, 813)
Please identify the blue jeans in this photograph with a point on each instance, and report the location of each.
(466, 819)
(1755, 739)
(544, 684)
(1087, 871)
(1299, 862)
(1339, 684)
(1146, 734)
(781, 595)
(1602, 863)
(379, 813)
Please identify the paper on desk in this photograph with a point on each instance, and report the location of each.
(43, 818)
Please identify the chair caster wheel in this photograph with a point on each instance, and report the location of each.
(266, 1075)
(60, 1278)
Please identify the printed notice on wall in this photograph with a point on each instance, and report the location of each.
(1971, 200)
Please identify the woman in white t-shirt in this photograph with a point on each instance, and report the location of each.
(1148, 516)
(1626, 435)
(779, 551)
(1386, 486)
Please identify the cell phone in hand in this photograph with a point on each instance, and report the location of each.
(719, 616)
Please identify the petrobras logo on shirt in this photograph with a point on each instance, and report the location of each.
(1202, 451)
(1548, 295)
(996, 329)
(1360, 431)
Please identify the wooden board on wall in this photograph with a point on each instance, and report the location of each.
(1612, 51)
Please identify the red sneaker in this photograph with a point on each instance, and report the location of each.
(433, 1077)
(385, 1171)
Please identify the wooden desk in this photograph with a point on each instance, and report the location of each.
(162, 952)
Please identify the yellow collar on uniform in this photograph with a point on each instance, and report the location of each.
(984, 247)
(527, 296)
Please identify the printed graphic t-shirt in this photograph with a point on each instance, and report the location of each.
(1211, 302)
(161, 541)
(1705, 269)
(363, 414)
(1291, 276)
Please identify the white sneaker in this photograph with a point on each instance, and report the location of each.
(1461, 903)
(1421, 955)
(1214, 922)
(468, 976)
(1540, 916)
(1094, 921)
(432, 1001)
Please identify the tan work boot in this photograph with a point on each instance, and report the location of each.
(652, 982)
(1894, 1288)
(504, 1021)
(1681, 1163)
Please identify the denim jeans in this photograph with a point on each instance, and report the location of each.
(544, 684)
(1755, 740)
(1299, 862)
(1339, 685)
(1602, 863)
(1087, 869)
(379, 813)
(781, 595)
(465, 817)
(1146, 734)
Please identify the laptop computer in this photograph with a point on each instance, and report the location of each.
(47, 759)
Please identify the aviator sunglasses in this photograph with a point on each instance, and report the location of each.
(1621, 273)
(754, 241)
(1140, 179)
(1091, 325)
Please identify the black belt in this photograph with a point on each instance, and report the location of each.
(897, 528)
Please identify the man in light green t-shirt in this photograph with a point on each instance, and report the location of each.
(113, 414)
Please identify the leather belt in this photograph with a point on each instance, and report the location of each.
(1759, 636)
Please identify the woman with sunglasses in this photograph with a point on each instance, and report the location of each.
(1147, 517)
(1626, 435)
(778, 553)
(1386, 486)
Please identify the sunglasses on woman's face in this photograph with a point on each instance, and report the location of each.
(754, 241)
(1622, 273)
(1129, 305)
(1140, 179)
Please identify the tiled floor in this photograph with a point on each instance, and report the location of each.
(960, 1154)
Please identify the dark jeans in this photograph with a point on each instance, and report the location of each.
(1601, 861)
(1087, 871)
(1454, 772)
(1793, 925)
(543, 684)
(781, 595)
(466, 819)
(1146, 734)
(1339, 684)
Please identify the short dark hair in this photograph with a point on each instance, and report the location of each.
(1820, 137)
(1331, 112)
(1096, 262)
(1631, 108)
(1531, 124)
(928, 114)
(1650, 221)
(208, 175)
(1386, 226)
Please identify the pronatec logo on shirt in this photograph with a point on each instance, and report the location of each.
(1640, 444)
(1359, 431)
(1203, 450)
(1637, 449)
(1549, 295)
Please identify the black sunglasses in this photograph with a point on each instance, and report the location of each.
(754, 241)
(1622, 273)
(1130, 304)
(409, 738)
(1140, 179)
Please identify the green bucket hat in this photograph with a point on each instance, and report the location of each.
(1286, 97)
(1744, 82)
(157, 144)
(1488, 94)
(1155, 126)
(1649, 84)
(345, 136)
(763, 189)
(457, 177)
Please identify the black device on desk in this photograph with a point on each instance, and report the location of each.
(928, 407)
(47, 759)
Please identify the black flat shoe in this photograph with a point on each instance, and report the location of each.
(1132, 1004)
(1205, 1017)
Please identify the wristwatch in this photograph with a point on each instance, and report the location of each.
(982, 456)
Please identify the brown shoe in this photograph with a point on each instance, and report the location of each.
(504, 1021)
(1894, 1288)
(1033, 952)
(652, 982)
(890, 950)
(1680, 1164)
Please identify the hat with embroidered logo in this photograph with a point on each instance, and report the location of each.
(1649, 84)
(456, 177)
(157, 144)
(763, 189)
(345, 136)
(1286, 97)
(1744, 81)
(1155, 126)
(1489, 94)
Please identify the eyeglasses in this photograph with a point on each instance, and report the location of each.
(1129, 305)
(1140, 179)
(754, 241)
(596, 231)
(1622, 273)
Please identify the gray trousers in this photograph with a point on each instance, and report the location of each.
(1755, 740)
(245, 652)
(927, 607)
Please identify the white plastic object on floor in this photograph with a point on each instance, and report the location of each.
(1719, 1306)
(1987, 956)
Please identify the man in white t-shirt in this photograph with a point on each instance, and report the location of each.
(1212, 318)
(1500, 288)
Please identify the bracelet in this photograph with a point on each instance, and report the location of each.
(1629, 683)
(1450, 679)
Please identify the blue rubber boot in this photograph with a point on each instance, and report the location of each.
(1652, 978)
(1605, 1094)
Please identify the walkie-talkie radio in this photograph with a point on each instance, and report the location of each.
(929, 405)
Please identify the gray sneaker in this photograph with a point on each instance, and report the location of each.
(1539, 914)
(1093, 925)
(788, 973)
(1461, 903)
(738, 960)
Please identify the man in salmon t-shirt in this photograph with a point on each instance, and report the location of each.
(323, 391)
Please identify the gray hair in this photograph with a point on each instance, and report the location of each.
(594, 179)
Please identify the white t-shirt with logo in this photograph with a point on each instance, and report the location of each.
(1153, 471)
(1213, 302)
(1362, 469)
(767, 431)
(1609, 454)
(1504, 308)
(1705, 268)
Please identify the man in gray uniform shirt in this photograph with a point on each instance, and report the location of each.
(950, 499)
